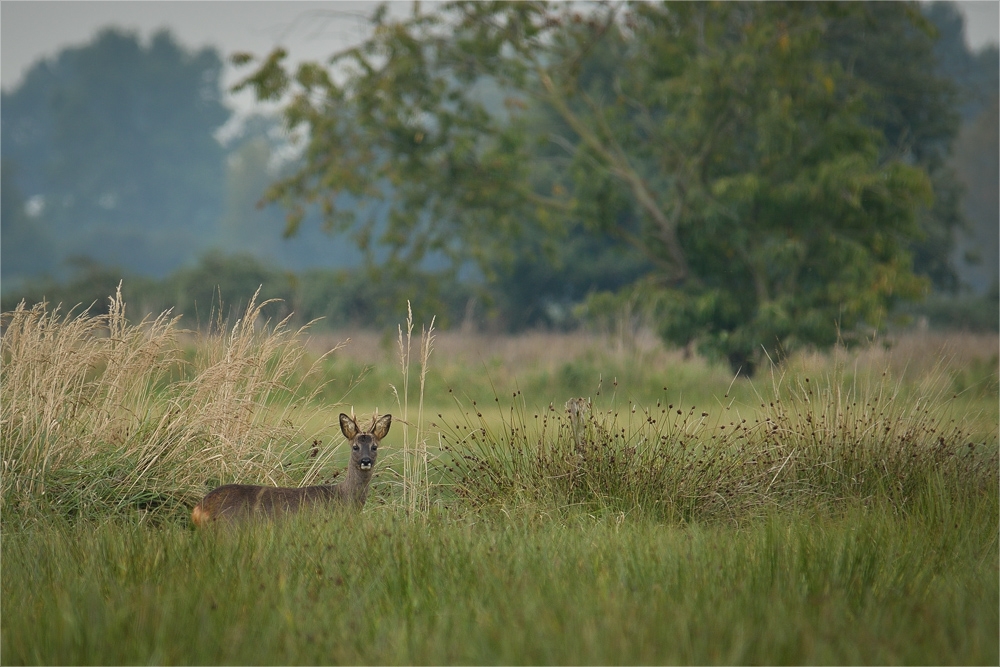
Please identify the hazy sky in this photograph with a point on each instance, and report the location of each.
(32, 29)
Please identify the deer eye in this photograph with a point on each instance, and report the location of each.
(356, 448)
(374, 448)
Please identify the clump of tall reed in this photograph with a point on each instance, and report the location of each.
(807, 442)
(413, 476)
(102, 415)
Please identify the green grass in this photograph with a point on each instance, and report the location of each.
(841, 510)
(525, 585)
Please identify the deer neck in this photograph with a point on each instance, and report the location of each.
(355, 485)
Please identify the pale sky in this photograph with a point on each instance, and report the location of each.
(310, 30)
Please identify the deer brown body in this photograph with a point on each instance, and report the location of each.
(233, 502)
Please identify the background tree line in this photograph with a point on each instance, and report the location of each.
(111, 154)
(760, 176)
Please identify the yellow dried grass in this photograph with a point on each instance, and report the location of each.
(96, 410)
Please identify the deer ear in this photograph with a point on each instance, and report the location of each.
(381, 427)
(348, 426)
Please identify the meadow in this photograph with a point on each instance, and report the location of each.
(573, 498)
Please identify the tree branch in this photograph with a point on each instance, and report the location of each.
(620, 168)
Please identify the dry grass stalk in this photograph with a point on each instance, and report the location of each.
(415, 479)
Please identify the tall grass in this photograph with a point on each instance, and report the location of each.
(100, 415)
(415, 459)
(805, 442)
(540, 586)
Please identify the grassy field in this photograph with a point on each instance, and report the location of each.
(842, 508)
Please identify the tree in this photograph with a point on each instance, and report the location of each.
(254, 161)
(976, 75)
(27, 246)
(975, 151)
(246, 227)
(978, 165)
(115, 138)
(720, 142)
(891, 48)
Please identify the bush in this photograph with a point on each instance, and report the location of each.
(195, 293)
(88, 288)
(336, 297)
(199, 292)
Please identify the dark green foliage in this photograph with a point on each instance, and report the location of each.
(88, 288)
(354, 298)
(541, 286)
(228, 282)
(220, 286)
(921, 76)
(196, 292)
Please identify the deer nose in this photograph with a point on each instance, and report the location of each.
(365, 463)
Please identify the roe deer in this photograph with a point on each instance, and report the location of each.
(240, 501)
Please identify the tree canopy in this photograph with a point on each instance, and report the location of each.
(768, 182)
